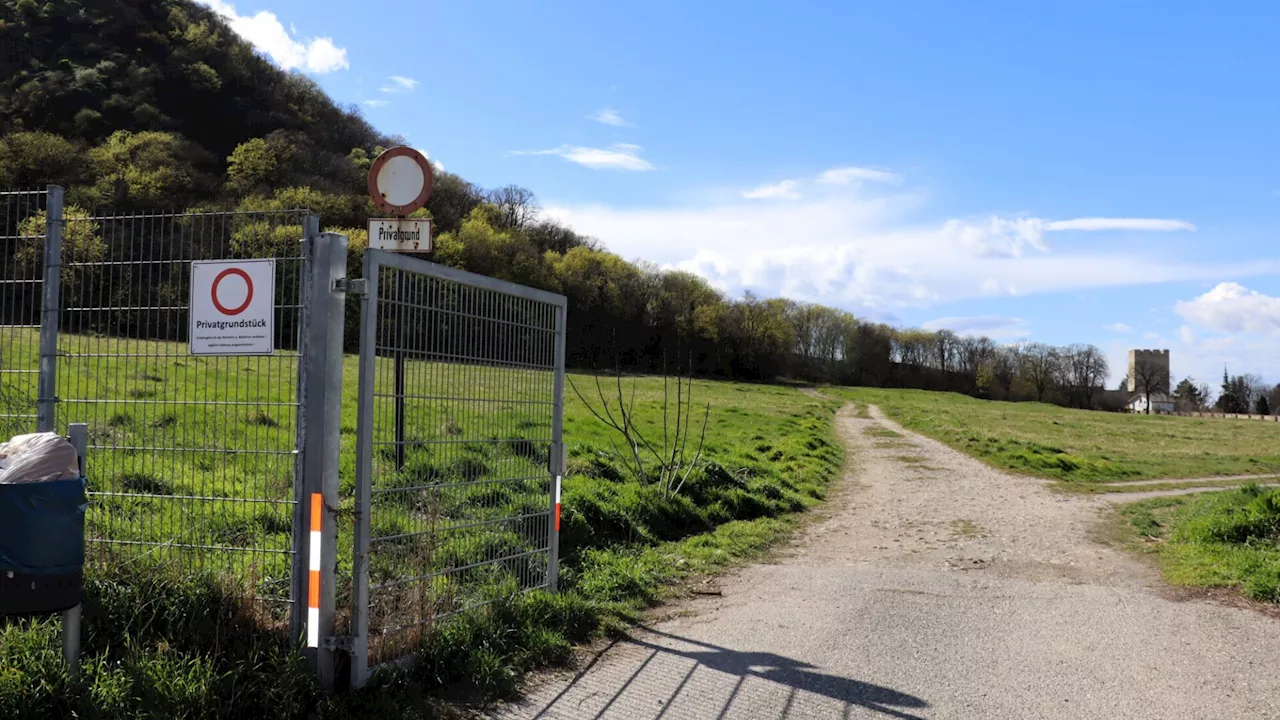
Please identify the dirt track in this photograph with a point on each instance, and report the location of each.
(937, 588)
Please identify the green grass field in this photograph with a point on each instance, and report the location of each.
(1077, 446)
(196, 498)
(1221, 539)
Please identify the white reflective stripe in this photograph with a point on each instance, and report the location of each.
(557, 489)
(313, 562)
(313, 627)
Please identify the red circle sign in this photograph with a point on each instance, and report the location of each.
(248, 298)
(424, 192)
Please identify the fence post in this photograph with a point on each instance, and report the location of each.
(557, 459)
(79, 434)
(364, 475)
(298, 569)
(50, 310)
(321, 414)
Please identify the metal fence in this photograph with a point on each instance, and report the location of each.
(228, 467)
(460, 422)
(192, 460)
(23, 219)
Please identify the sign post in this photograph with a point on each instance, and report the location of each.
(400, 181)
(233, 307)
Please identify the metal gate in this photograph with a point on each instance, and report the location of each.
(24, 216)
(458, 449)
(195, 461)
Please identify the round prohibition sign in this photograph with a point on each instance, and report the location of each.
(248, 297)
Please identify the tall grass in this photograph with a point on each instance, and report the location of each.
(165, 643)
(1220, 539)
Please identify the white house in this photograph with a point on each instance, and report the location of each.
(1159, 403)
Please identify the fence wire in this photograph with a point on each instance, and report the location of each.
(463, 418)
(191, 459)
(22, 234)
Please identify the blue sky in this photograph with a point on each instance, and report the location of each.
(1086, 172)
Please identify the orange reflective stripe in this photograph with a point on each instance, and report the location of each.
(317, 506)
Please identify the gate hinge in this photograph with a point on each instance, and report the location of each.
(337, 642)
(350, 286)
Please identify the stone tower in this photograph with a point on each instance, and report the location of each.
(1155, 359)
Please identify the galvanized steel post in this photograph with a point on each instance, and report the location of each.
(50, 310)
(557, 460)
(364, 475)
(298, 567)
(79, 434)
(326, 263)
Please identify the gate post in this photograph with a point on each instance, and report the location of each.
(364, 474)
(320, 417)
(298, 568)
(557, 459)
(50, 310)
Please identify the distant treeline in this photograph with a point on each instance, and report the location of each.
(159, 105)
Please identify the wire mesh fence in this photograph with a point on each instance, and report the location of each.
(200, 464)
(22, 236)
(191, 458)
(460, 378)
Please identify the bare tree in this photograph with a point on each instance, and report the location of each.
(973, 352)
(945, 344)
(1040, 367)
(1005, 365)
(517, 206)
(1090, 371)
(1252, 387)
(667, 465)
(1150, 378)
(1206, 396)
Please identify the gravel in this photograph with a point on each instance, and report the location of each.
(937, 587)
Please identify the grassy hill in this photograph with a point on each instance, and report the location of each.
(1079, 446)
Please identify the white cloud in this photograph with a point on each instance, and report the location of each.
(1100, 223)
(842, 246)
(375, 103)
(399, 84)
(434, 163)
(1000, 237)
(609, 116)
(1187, 335)
(782, 190)
(266, 33)
(846, 175)
(996, 327)
(1118, 327)
(620, 156)
(1232, 308)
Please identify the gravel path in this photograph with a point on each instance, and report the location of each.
(937, 588)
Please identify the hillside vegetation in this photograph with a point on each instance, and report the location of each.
(1078, 446)
(157, 104)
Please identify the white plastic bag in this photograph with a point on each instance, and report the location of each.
(38, 457)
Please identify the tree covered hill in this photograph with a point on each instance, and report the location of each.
(84, 69)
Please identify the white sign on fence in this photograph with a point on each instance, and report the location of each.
(233, 307)
(413, 235)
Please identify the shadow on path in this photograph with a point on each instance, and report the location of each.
(786, 678)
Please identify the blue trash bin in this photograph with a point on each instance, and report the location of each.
(42, 546)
